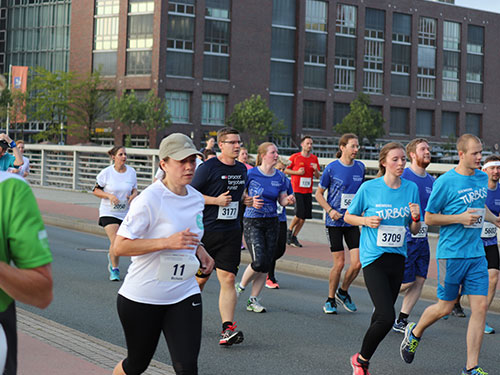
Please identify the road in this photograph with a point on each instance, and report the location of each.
(293, 337)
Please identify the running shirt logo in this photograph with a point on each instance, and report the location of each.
(473, 195)
(393, 213)
(199, 221)
(223, 177)
(357, 178)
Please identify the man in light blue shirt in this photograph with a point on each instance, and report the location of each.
(7, 160)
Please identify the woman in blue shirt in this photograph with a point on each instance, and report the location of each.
(260, 222)
(383, 207)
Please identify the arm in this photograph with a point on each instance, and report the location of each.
(98, 192)
(222, 200)
(134, 194)
(19, 158)
(207, 262)
(415, 215)
(490, 216)
(334, 215)
(286, 200)
(31, 286)
(298, 172)
(367, 221)
(465, 218)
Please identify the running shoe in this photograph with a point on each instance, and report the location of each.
(400, 325)
(458, 311)
(288, 237)
(114, 273)
(409, 344)
(230, 336)
(358, 368)
(488, 329)
(295, 242)
(475, 371)
(254, 305)
(445, 317)
(238, 288)
(272, 284)
(330, 307)
(345, 301)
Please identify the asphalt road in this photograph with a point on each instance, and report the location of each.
(293, 337)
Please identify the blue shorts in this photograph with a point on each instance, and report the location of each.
(417, 260)
(471, 273)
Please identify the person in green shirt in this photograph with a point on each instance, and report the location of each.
(25, 257)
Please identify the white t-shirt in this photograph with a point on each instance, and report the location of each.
(23, 168)
(121, 186)
(159, 213)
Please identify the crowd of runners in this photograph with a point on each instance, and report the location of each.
(201, 208)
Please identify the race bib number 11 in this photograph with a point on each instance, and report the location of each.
(177, 267)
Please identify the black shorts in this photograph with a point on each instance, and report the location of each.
(492, 257)
(335, 235)
(303, 206)
(225, 248)
(106, 220)
(8, 322)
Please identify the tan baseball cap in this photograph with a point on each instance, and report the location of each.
(177, 146)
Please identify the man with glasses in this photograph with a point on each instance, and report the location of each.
(221, 180)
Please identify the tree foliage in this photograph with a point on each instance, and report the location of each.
(362, 120)
(255, 120)
(156, 112)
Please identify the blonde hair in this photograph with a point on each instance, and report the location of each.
(20, 141)
(383, 155)
(463, 141)
(261, 151)
(343, 141)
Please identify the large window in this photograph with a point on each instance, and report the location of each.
(424, 123)
(315, 49)
(449, 124)
(217, 39)
(180, 38)
(401, 54)
(213, 109)
(345, 48)
(313, 114)
(140, 37)
(474, 76)
(399, 121)
(426, 76)
(340, 111)
(178, 104)
(373, 69)
(473, 124)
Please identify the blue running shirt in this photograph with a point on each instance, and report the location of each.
(342, 182)
(375, 198)
(489, 231)
(267, 187)
(289, 190)
(453, 194)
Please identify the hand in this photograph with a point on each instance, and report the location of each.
(224, 199)
(301, 171)
(415, 211)
(258, 202)
(247, 200)
(113, 199)
(497, 222)
(468, 218)
(372, 221)
(335, 215)
(314, 166)
(182, 240)
(207, 262)
(290, 199)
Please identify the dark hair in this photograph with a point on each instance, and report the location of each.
(491, 158)
(305, 137)
(4, 144)
(207, 152)
(114, 150)
(383, 155)
(222, 133)
(343, 141)
(412, 146)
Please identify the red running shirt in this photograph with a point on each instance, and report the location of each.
(303, 184)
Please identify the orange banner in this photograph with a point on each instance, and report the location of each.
(19, 82)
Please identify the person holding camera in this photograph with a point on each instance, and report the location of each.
(7, 160)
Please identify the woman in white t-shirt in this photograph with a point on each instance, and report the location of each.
(162, 233)
(116, 185)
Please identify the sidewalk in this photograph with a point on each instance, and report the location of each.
(55, 349)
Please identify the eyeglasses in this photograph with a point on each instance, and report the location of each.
(233, 143)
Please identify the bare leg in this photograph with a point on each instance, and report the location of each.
(353, 270)
(258, 283)
(111, 230)
(227, 295)
(432, 314)
(479, 306)
(293, 223)
(202, 281)
(412, 295)
(335, 272)
(493, 281)
(118, 370)
(248, 276)
(298, 226)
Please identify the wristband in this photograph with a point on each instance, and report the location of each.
(330, 210)
(416, 220)
(12, 144)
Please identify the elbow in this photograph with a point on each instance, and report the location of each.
(348, 218)
(428, 219)
(46, 300)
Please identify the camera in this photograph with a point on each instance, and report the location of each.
(4, 144)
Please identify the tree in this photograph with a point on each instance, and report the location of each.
(255, 120)
(156, 113)
(128, 110)
(90, 97)
(363, 121)
(49, 102)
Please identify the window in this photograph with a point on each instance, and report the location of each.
(373, 74)
(140, 37)
(178, 103)
(426, 75)
(340, 111)
(181, 7)
(449, 124)
(424, 123)
(473, 124)
(313, 114)
(213, 109)
(316, 15)
(451, 36)
(401, 54)
(284, 13)
(399, 121)
(180, 38)
(315, 48)
(451, 61)
(475, 39)
(283, 43)
(217, 8)
(345, 63)
(282, 106)
(474, 75)
(282, 77)
(106, 36)
(217, 37)
(345, 22)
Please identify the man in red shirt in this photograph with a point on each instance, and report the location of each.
(304, 165)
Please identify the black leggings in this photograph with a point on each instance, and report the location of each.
(280, 249)
(261, 236)
(143, 323)
(383, 279)
(8, 322)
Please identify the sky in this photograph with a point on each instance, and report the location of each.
(489, 5)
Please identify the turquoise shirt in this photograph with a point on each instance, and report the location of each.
(7, 161)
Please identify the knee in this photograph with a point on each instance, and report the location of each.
(338, 266)
(136, 368)
(356, 265)
(227, 279)
(494, 279)
(260, 265)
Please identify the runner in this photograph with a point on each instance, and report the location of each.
(342, 178)
(261, 226)
(24, 170)
(243, 157)
(221, 180)
(384, 207)
(162, 233)
(457, 204)
(304, 165)
(271, 281)
(116, 185)
(489, 231)
(418, 252)
(7, 160)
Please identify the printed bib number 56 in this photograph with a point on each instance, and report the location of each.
(345, 201)
(230, 212)
(489, 230)
(305, 182)
(177, 267)
(422, 233)
(390, 235)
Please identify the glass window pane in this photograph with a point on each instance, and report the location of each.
(282, 106)
(345, 47)
(401, 24)
(315, 47)
(426, 57)
(282, 75)
(340, 110)
(284, 12)
(178, 105)
(449, 124)
(451, 35)
(314, 76)
(316, 15)
(473, 124)
(179, 64)
(180, 27)
(106, 62)
(399, 121)
(139, 62)
(450, 90)
(313, 114)
(213, 109)
(215, 67)
(474, 92)
(283, 43)
(400, 85)
(375, 19)
(424, 123)
(475, 38)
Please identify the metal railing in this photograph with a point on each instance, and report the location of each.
(76, 168)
